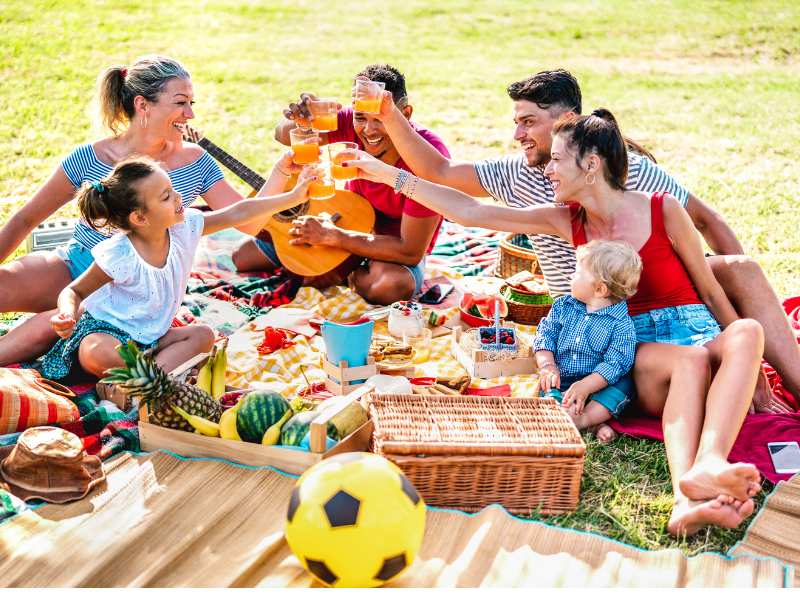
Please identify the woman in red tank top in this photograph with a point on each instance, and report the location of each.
(676, 292)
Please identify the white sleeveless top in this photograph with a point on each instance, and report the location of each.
(143, 299)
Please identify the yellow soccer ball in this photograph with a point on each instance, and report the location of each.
(355, 520)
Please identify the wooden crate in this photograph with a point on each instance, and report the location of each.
(477, 365)
(341, 377)
(295, 461)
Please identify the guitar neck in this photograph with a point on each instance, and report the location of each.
(245, 173)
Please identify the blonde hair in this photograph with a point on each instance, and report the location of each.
(616, 264)
(118, 86)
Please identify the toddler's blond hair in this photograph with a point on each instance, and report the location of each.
(615, 264)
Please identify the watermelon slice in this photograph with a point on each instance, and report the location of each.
(482, 305)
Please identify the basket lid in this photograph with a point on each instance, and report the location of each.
(473, 425)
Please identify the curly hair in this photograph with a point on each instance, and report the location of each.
(616, 264)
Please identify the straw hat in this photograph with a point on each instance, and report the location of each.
(50, 464)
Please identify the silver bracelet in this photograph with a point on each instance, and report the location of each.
(402, 176)
(412, 186)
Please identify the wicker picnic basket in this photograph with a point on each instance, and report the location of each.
(516, 255)
(527, 314)
(466, 452)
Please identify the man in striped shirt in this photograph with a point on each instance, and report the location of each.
(518, 180)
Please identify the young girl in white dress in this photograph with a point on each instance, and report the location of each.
(137, 282)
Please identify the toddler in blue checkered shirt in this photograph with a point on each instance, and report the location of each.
(586, 344)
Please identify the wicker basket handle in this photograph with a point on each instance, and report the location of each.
(54, 387)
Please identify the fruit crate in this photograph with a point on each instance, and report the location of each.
(295, 461)
(477, 363)
(466, 452)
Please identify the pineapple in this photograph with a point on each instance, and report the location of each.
(142, 378)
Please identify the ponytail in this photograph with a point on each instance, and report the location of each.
(110, 87)
(606, 115)
(109, 202)
(93, 207)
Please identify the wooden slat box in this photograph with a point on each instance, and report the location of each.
(155, 437)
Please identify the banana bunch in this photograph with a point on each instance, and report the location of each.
(211, 377)
(201, 425)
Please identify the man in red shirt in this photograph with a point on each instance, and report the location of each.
(405, 232)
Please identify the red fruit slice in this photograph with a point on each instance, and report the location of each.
(485, 306)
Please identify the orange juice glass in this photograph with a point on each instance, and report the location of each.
(323, 115)
(305, 145)
(324, 188)
(340, 152)
(367, 96)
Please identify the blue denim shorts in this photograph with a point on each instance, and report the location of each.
(77, 256)
(687, 325)
(417, 271)
(614, 397)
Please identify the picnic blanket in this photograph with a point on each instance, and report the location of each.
(236, 304)
(156, 522)
(775, 530)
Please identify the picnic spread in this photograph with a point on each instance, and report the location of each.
(450, 399)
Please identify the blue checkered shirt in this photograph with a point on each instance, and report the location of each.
(602, 342)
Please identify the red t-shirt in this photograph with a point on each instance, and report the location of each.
(389, 206)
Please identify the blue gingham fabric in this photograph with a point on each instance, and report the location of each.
(603, 341)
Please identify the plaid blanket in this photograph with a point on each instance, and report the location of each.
(464, 251)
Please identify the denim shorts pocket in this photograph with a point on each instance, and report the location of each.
(701, 325)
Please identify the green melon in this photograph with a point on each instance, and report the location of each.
(258, 411)
(296, 428)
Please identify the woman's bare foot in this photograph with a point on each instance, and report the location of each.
(690, 516)
(712, 477)
(605, 434)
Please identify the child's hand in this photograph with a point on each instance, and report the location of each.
(549, 377)
(62, 324)
(575, 397)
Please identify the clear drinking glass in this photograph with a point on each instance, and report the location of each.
(367, 96)
(324, 187)
(340, 152)
(323, 115)
(305, 145)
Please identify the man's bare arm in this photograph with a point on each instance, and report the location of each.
(717, 233)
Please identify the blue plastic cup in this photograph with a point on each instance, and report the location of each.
(348, 343)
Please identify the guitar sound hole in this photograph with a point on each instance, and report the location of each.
(290, 214)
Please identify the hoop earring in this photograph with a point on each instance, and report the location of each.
(592, 182)
(143, 122)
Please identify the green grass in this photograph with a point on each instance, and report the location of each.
(711, 88)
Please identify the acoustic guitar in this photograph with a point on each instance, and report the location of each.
(347, 209)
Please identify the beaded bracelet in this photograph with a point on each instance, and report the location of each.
(402, 176)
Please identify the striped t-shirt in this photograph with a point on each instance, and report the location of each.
(190, 181)
(510, 180)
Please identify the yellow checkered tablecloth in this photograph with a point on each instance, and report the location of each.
(283, 370)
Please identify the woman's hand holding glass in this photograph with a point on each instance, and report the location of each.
(372, 169)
